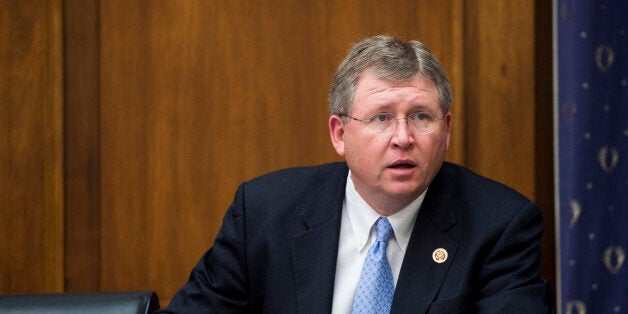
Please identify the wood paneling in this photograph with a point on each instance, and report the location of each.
(82, 144)
(499, 78)
(31, 147)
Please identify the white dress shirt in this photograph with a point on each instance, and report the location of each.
(356, 237)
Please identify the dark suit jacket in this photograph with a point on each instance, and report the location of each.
(277, 249)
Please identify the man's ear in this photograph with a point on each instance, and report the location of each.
(448, 121)
(337, 134)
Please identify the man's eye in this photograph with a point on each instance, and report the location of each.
(381, 117)
(421, 116)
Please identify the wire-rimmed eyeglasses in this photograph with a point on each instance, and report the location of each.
(386, 123)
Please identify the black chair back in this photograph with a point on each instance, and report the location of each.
(137, 302)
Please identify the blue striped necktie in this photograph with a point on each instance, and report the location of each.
(376, 287)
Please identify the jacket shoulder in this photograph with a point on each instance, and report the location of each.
(299, 184)
(477, 187)
(297, 176)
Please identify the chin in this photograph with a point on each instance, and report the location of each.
(412, 191)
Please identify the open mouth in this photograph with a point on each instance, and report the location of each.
(402, 166)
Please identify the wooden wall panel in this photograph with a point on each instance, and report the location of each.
(82, 144)
(31, 147)
(499, 78)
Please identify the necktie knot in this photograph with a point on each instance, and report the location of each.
(384, 229)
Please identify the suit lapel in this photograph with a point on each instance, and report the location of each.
(315, 254)
(315, 251)
(421, 276)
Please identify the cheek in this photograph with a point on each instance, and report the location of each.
(444, 144)
(432, 148)
(439, 149)
(364, 150)
(354, 153)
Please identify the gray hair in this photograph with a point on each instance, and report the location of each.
(391, 59)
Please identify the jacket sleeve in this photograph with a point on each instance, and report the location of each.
(509, 280)
(218, 283)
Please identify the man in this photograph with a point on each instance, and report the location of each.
(395, 228)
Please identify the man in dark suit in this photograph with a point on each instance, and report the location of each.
(395, 228)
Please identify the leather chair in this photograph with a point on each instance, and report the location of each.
(140, 302)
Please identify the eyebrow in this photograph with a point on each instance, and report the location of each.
(413, 108)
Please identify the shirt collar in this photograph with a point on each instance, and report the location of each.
(362, 217)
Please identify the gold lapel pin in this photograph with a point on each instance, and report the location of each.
(440, 255)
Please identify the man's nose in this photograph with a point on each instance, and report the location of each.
(402, 135)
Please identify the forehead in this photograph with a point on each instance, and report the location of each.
(372, 92)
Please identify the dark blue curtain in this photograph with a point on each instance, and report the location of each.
(592, 182)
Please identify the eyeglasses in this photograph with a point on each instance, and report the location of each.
(385, 123)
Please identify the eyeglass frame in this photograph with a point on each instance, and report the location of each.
(374, 116)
